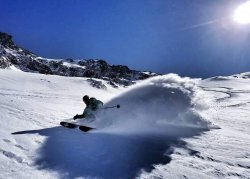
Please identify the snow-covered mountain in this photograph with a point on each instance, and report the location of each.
(245, 75)
(167, 127)
(12, 56)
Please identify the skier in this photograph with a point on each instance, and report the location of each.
(92, 105)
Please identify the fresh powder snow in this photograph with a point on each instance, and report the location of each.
(167, 127)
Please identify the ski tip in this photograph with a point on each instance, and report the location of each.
(85, 128)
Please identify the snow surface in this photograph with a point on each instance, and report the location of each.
(167, 127)
(73, 65)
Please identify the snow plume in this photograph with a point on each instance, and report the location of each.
(162, 104)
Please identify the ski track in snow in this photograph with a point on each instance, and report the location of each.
(32, 105)
(11, 155)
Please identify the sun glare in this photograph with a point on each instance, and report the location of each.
(242, 13)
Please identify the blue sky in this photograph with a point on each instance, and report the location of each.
(194, 38)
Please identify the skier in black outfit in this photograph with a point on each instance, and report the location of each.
(92, 105)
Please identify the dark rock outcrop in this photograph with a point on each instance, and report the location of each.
(96, 84)
(6, 40)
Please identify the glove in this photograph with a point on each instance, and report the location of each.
(75, 117)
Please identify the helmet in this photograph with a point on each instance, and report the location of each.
(85, 98)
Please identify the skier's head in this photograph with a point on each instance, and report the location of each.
(85, 99)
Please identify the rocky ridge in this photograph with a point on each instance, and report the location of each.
(13, 56)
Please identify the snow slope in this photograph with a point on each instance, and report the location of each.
(223, 153)
(167, 127)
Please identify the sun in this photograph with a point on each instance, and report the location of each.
(242, 13)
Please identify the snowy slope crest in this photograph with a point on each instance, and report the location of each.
(162, 104)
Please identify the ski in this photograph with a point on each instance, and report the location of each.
(73, 126)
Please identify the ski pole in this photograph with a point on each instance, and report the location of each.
(116, 106)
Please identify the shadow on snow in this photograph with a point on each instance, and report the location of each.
(73, 153)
